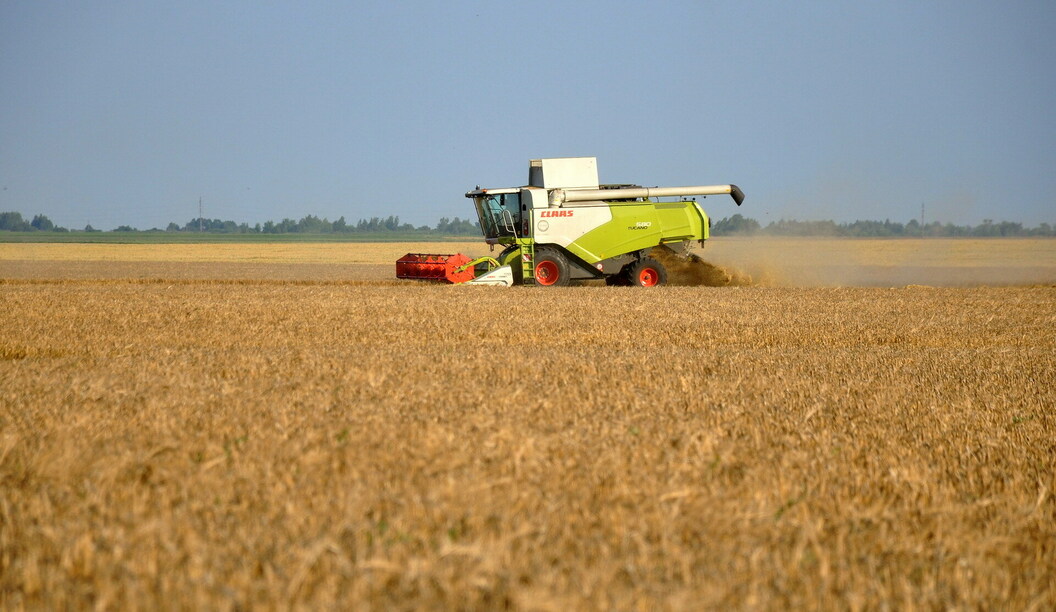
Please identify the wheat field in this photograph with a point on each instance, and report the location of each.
(180, 430)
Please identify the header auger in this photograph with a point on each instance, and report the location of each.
(564, 226)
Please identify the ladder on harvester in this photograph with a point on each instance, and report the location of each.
(526, 245)
(527, 260)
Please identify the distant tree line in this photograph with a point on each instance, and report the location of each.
(727, 226)
(744, 226)
(13, 222)
(310, 224)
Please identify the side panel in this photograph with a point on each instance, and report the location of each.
(640, 225)
(673, 219)
(565, 226)
(705, 223)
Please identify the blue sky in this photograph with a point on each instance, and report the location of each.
(127, 112)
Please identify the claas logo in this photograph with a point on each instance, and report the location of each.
(556, 213)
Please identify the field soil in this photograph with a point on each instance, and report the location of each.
(185, 427)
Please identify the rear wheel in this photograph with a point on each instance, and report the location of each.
(647, 272)
(551, 268)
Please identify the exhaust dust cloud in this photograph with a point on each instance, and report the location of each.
(694, 271)
(838, 262)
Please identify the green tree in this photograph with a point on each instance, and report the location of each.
(737, 224)
(311, 224)
(42, 223)
(13, 222)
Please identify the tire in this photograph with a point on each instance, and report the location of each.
(647, 272)
(551, 268)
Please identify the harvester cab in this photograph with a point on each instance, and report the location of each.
(564, 225)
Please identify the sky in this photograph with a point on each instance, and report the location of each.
(126, 113)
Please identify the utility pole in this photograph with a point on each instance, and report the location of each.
(200, 230)
(922, 219)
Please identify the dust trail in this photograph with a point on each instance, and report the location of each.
(863, 262)
(694, 271)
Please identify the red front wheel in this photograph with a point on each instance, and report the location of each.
(551, 268)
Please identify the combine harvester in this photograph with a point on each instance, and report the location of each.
(565, 226)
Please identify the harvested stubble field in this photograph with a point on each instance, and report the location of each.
(176, 440)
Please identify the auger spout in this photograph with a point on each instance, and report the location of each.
(630, 193)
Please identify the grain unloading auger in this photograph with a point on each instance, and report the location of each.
(564, 226)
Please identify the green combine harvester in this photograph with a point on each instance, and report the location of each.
(565, 226)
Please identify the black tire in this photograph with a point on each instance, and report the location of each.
(551, 268)
(646, 272)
